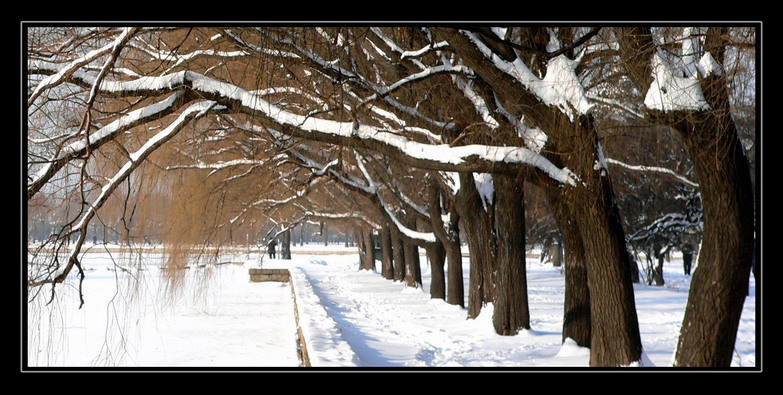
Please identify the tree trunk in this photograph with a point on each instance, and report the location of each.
(576, 318)
(398, 252)
(511, 305)
(456, 291)
(615, 338)
(719, 284)
(368, 261)
(285, 250)
(360, 246)
(555, 253)
(658, 270)
(634, 268)
(448, 234)
(437, 256)
(411, 265)
(477, 223)
(416, 264)
(387, 264)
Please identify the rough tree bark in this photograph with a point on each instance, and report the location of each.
(365, 246)
(615, 338)
(387, 263)
(477, 223)
(357, 231)
(398, 252)
(368, 260)
(511, 311)
(412, 270)
(720, 282)
(576, 319)
(285, 250)
(448, 234)
(436, 253)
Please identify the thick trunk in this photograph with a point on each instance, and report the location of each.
(360, 246)
(456, 291)
(448, 234)
(720, 282)
(511, 305)
(555, 253)
(387, 264)
(615, 329)
(368, 258)
(576, 318)
(615, 338)
(412, 272)
(285, 250)
(477, 223)
(436, 253)
(658, 270)
(416, 265)
(398, 253)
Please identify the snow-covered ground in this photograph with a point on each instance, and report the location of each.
(212, 316)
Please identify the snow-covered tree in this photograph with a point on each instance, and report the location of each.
(421, 131)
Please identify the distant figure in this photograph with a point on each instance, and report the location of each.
(271, 248)
(687, 262)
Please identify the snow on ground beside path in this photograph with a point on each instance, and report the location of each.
(219, 319)
(349, 318)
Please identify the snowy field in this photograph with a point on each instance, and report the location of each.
(137, 315)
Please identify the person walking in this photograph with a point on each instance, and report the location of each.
(271, 248)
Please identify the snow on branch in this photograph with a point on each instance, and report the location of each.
(616, 104)
(313, 57)
(534, 138)
(668, 223)
(163, 55)
(64, 72)
(655, 169)
(560, 87)
(253, 47)
(669, 92)
(220, 165)
(430, 71)
(135, 159)
(323, 215)
(370, 190)
(102, 135)
(423, 51)
(482, 158)
(478, 102)
(427, 237)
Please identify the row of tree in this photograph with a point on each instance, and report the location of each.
(423, 134)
